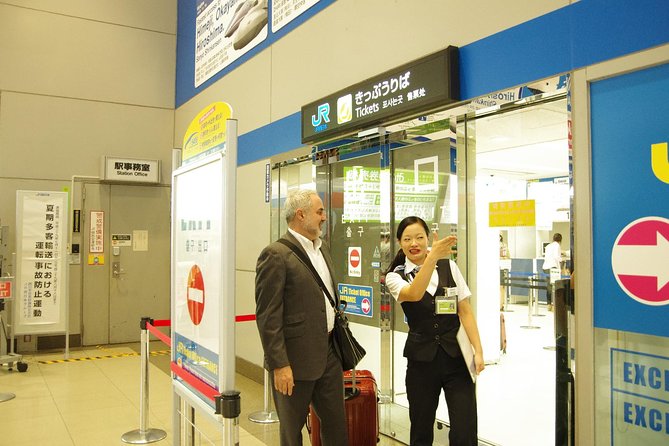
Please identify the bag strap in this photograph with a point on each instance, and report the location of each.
(303, 257)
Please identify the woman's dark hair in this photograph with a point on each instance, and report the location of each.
(557, 237)
(400, 258)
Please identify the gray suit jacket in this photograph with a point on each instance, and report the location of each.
(290, 311)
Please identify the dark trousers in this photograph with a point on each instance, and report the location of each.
(326, 394)
(424, 382)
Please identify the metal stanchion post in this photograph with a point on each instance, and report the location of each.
(535, 289)
(5, 396)
(228, 404)
(506, 280)
(531, 297)
(144, 435)
(267, 415)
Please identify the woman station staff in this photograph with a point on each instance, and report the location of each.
(434, 297)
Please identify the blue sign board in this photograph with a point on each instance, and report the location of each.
(630, 196)
(358, 299)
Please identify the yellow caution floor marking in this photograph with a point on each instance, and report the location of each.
(93, 358)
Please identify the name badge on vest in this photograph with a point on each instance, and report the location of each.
(447, 304)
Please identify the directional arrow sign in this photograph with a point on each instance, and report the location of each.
(640, 260)
(366, 306)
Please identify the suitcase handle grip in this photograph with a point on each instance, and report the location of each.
(351, 393)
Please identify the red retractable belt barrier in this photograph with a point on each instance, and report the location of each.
(192, 380)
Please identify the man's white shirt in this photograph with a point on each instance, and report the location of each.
(313, 250)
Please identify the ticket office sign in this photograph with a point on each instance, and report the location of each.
(416, 86)
(358, 299)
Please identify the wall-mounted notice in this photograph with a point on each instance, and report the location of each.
(121, 240)
(415, 194)
(41, 223)
(96, 237)
(285, 11)
(224, 31)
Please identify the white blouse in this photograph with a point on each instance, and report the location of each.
(395, 283)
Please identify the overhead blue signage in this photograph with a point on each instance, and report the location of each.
(630, 192)
(418, 86)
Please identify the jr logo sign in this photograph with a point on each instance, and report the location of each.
(321, 117)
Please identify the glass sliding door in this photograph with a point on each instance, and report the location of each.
(516, 165)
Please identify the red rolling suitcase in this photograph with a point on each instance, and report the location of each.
(362, 411)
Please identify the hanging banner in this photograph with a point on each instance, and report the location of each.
(206, 132)
(41, 223)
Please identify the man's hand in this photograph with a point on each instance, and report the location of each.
(283, 380)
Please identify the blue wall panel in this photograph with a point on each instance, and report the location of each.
(581, 34)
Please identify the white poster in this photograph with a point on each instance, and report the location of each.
(197, 282)
(285, 11)
(197, 254)
(41, 222)
(224, 31)
(96, 238)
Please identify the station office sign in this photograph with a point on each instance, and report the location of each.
(128, 170)
(415, 87)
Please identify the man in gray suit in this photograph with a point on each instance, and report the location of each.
(295, 319)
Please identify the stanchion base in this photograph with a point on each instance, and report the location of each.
(532, 327)
(6, 397)
(264, 417)
(143, 437)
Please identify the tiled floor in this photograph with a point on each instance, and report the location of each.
(94, 402)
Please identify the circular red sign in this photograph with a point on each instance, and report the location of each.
(639, 260)
(354, 258)
(195, 295)
(365, 306)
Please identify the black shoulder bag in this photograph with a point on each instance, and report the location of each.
(347, 347)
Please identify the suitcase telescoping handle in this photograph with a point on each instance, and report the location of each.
(353, 391)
